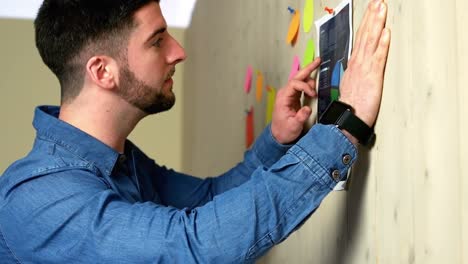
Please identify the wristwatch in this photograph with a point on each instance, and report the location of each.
(341, 115)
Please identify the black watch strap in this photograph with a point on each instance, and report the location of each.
(356, 127)
(341, 115)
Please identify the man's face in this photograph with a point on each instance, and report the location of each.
(145, 79)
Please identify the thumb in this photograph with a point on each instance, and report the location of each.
(303, 114)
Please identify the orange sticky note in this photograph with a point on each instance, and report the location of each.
(259, 86)
(248, 79)
(293, 28)
(296, 66)
(270, 104)
(249, 128)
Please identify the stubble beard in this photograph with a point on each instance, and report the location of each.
(148, 99)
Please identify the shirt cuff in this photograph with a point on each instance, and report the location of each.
(327, 146)
(267, 149)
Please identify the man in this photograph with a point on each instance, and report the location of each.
(86, 194)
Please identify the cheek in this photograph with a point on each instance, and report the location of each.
(151, 73)
(156, 68)
(148, 67)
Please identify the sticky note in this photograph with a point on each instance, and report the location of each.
(309, 54)
(271, 94)
(293, 28)
(296, 66)
(248, 80)
(308, 15)
(249, 128)
(259, 86)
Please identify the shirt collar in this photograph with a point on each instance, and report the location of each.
(83, 145)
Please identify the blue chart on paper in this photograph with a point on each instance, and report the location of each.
(337, 74)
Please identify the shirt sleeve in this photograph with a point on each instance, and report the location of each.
(196, 192)
(75, 217)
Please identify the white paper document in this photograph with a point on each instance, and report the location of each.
(335, 40)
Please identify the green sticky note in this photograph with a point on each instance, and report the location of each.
(309, 54)
(308, 15)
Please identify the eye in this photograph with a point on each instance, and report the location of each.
(158, 42)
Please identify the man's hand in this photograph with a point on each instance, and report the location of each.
(362, 82)
(288, 116)
(361, 86)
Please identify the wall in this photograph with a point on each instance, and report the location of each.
(25, 82)
(408, 198)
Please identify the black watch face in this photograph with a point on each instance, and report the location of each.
(333, 112)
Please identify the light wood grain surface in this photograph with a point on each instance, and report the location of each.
(408, 198)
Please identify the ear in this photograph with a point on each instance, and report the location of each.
(102, 71)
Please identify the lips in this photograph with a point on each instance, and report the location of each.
(169, 76)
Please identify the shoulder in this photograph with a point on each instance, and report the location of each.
(32, 181)
(45, 167)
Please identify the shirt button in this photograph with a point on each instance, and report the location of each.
(122, 158)
(346, 159)
(336, 175)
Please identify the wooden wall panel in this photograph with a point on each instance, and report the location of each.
(407, 201)
(461, 6)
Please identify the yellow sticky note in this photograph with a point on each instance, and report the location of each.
(309, 54)
(270, 104)
(259, 86)
(293, 28)
(308, 15)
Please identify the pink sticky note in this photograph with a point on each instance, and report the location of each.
(248, 79)
(296, 66)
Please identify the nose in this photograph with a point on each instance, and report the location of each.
(177, 53)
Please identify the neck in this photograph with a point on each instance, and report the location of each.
(108, 122)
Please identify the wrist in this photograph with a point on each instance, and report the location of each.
(351, 138)
(367, 118)
(342, 116)
(281, 136)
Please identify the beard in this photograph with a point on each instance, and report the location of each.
(148, 99)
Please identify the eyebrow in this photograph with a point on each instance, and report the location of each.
(155, 33)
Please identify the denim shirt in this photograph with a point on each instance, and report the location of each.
(73, 199)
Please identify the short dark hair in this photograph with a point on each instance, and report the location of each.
(67, 28)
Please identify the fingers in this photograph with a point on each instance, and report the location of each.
(312, 84)
(366, 28)
(306, 71)
(383, 48)
(363, 26)
(296, 87)
(303, 114)
(302, 82)
(375, 31)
